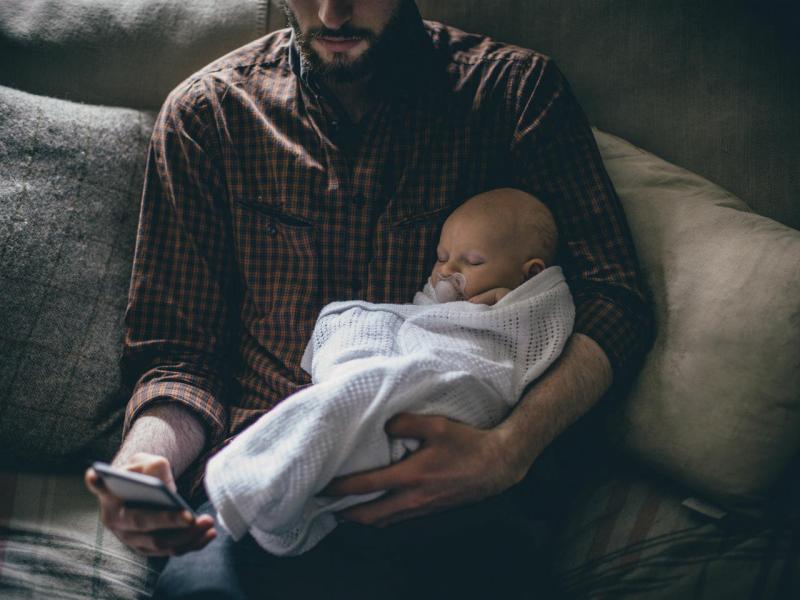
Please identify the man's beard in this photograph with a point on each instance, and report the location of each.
(339, 70)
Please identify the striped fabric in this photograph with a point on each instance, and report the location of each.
(625, 538)
(52, 544)
(259, 209)
(631, 537)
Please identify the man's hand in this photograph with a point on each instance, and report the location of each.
(456, 464)
(489, 297)
(151, 532)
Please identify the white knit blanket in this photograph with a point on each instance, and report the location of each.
(469, 362)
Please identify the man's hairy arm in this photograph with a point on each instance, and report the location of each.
(458, 464)
(575, 382)
(162, 442)
(178, 322)
(166, 430)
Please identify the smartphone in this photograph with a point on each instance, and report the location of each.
(138, 489)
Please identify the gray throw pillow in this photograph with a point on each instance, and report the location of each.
(70, 189)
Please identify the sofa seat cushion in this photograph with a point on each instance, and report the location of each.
(52, 544)
(630, 536)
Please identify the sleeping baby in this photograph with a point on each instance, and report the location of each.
(493, 316)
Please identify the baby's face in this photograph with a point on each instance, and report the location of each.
(478, 249)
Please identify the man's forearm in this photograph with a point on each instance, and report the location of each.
(167, 430)
(572, 385)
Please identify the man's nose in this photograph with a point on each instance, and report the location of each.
(335, 13)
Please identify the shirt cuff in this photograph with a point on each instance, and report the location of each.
(200, 402)
(625, 335)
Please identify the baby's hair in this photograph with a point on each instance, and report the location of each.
(527, 217)
(541, 221)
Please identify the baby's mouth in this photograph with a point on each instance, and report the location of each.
(450, 288)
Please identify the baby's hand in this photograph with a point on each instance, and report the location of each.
(490, 296)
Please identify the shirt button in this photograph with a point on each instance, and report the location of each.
(359, 199)
(271, 229)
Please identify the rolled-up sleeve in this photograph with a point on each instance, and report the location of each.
(556, 158)
(182, 286)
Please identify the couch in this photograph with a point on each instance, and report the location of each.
(693, 489)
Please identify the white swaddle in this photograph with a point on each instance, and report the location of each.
(469, 362)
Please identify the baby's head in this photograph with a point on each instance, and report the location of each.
(497, 239)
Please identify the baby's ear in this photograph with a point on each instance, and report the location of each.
(532, 267)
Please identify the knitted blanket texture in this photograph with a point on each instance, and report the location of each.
(369, 362)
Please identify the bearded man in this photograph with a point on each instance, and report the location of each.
(317, 164)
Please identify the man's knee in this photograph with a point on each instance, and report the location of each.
(212, 572)
(182, 580)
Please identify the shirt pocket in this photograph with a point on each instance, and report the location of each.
(407, 252)
(279, 264)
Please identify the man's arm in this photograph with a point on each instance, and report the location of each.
(181, 315)
(575, 382)
(166, 430)
(162, 442)
(555, 158)
(178, 323)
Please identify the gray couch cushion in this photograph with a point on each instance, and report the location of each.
(69, 196)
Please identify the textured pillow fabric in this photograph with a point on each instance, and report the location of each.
(129, 53)
(70, 187)
(717, 404)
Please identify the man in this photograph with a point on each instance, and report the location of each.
(318, 165)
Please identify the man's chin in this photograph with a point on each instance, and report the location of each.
(342, 70)
(341, 66)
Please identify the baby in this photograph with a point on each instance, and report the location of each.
(493, 316)
(491, 244)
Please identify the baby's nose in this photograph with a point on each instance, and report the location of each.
(447, 269)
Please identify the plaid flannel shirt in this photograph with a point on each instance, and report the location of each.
(262, 203)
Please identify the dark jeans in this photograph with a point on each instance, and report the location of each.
(496, 548)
